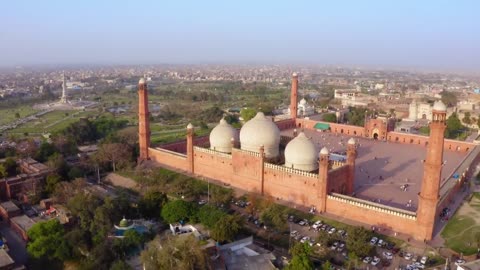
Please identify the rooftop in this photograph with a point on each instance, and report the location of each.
(5, 259)
(381, 168)
(23, 222)
(9, 206)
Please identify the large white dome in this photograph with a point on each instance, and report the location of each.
(301, 153)
(260, 131)
(221, 137)
(439, 106)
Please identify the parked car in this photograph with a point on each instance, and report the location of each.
(334, 246)
(375, 260)
(305, 239)
(202, 202)
(419, 265)
(332, 230)
(424, 260)
(459, 262)
(408, 256)
(380, 243)
(293, 233)
(303, 222)
(317, 224)
(387, 255)
(373, 241)
(340, 247)
(367, 259)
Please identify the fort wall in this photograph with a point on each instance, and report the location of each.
(377, 215)
(169, 158)
(337, 179)
(181, 146)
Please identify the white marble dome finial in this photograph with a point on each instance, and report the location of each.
(141, 81)
(324, 151)
(294, 74)
(189, 126)
(351, 141)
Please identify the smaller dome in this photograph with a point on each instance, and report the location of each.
(301, 153)
(295, 74)
(222, 136)
(351, 141)
(439, 106)
(324, 151)
(141, 81)
(189, 126)
(123, 222)
(303, 101)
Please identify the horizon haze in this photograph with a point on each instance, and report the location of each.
(439, 35)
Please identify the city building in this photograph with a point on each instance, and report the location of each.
(21, 225)
(368, 174)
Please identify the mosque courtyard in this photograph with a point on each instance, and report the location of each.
(384, 169)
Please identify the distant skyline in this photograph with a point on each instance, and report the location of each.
(437, 35)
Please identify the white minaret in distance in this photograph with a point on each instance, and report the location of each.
(64, 99)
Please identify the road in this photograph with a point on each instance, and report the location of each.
(17, 246)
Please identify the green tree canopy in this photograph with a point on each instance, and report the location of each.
(454, 126)
(3, 171)
(178, 210)
(208, 215)
(174, 253)
(300, 257)
(247, 113)
(220, 195)
(449, 98)
(47, 241)
(226, 228)
(330, 117)
(357, 241)
(151, 203)
(275, 216)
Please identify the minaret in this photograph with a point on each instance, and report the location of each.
(351, 156)
(429, 194)
(293, 97)
(323, 179)
(143, 120)
(64, 98)
(190, 135)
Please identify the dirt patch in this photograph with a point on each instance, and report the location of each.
(121, 181)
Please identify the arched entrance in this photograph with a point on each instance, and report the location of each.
(375, 133)
(424, 116)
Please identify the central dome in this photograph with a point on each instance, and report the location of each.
(260, 131)
(301, 153)
(221, 137)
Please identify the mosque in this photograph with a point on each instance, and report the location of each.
(368, 174)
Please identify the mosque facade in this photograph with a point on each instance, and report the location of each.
(293, 170)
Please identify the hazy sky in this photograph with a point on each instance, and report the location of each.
(432, 34)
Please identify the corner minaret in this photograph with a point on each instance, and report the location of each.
(323, 163)
(143, 120)
(351, 156)
(429, 194)
(293, 96)
(190, 157)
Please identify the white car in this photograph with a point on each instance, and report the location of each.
(334, 246)
(317, 225)
(373, 241)
(459, 262)
(419, 265)
(332, 230)
(375, 260)
(380, 242)
(367, 259)
(305, 239)
(340, 247)
(387, 255)
(424, 260)
(293, 233)
(302, 223)
(408, 256)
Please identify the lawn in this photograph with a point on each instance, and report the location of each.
(463, 231)
(8, 115)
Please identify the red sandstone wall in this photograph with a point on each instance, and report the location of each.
(285, 124)
(334, 127)
(290, 187)
(247, 172)
(372, 217)
(337, 180)
(213, 166)
(168, 158)
(181, 146)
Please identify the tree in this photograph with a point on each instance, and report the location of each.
(357, 241)
(57, 163)
(330, 117)
(3, 171)
(174, 253)
(247, 114)
(17, 115)
(226, 228)
(10, 166)
(208, 215)
(300, 257)
(220, 195)
(47, 241)
(454, 126)
(449, 98)
(44, 151)
(151, 203)
(275, 216)
(51, 183)
(466, 118)
(178, 210)
(115, 153)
